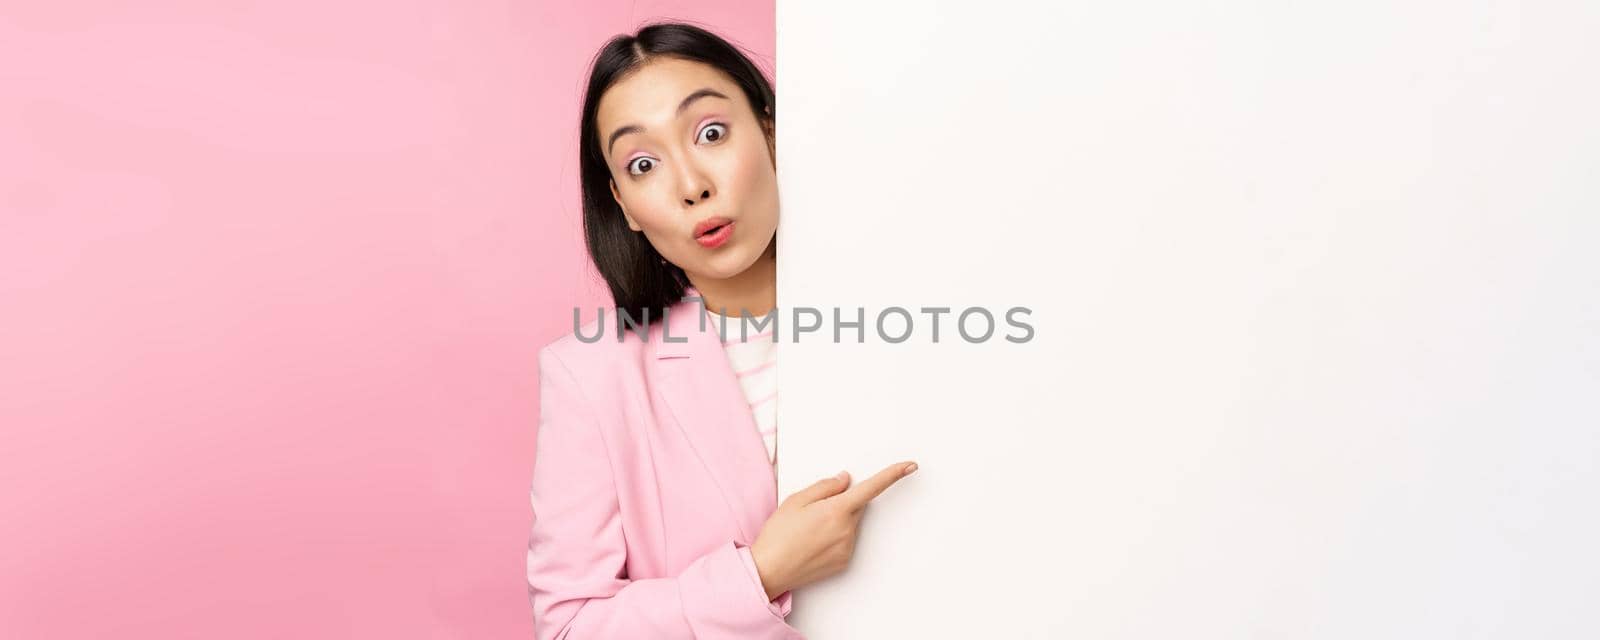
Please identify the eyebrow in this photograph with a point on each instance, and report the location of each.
(633, 128)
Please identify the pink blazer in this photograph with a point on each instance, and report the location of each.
(650, 481)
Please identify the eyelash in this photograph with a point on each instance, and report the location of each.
(629, 166)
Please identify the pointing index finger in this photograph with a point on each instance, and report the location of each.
(858, 496)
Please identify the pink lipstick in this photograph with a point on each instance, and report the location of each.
(713, 232)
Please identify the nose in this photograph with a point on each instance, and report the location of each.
(696, 186)
(693, 200)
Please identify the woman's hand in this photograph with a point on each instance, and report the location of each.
(812, 535)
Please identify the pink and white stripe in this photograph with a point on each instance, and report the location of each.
(754, 358)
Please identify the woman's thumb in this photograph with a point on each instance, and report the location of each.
(822, 488)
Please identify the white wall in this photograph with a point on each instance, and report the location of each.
(1316, 294)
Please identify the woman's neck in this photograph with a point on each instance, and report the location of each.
(754, 290)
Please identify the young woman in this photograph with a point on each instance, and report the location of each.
(654, 498)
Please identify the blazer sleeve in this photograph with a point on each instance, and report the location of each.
(577, 578)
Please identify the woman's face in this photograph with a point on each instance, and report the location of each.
(686, 153)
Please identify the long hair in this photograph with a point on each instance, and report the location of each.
(642, 283)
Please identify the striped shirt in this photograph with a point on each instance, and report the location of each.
(754, 356)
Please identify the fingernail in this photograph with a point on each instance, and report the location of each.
(840, 476)
(910, 468)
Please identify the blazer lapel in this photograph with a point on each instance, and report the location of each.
(699, 387)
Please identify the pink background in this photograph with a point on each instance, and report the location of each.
(272, 280)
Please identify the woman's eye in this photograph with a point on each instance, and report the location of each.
(640, 165)
(713, 132)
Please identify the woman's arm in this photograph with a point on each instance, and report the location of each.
(576, 576)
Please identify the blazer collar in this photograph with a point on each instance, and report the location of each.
(698, 385)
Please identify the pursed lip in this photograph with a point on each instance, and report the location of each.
(708, 224)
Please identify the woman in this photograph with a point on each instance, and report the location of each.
(654, 498)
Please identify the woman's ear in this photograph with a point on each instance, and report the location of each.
(615, 195)
(769, 127)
